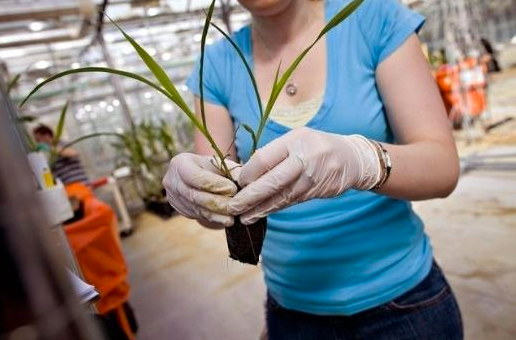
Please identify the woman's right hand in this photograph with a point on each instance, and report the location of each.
(197, 189)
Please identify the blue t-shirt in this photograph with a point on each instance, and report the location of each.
(349, 253)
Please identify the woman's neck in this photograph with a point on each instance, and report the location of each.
(286, 25)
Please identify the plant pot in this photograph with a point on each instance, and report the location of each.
(158, 207)
(245, 241)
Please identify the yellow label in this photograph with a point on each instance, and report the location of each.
(48, 179)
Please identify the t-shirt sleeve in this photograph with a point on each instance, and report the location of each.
(213, 76)
(386, 25)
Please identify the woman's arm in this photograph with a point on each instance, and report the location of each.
(67, 153)
(306, 163)
(424, 161)
(220, 126)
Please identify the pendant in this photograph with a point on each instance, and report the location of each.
(291, 89)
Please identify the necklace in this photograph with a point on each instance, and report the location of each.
(291, 86)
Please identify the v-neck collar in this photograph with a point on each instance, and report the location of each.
(328, 97)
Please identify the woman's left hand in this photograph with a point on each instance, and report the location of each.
(301, 165)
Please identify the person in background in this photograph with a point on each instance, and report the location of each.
(67, 167)
(359, 131)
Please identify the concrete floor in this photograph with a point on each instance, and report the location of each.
(185, 287)
(473, 233)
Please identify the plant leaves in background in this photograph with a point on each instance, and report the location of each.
(92, 135)
(13, 82)
(33, 146)
(174, 95)
(60, 124)
(26, 119)
(167, 139)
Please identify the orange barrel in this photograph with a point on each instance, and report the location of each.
(473, 76)
(463, 88)
(447, 77)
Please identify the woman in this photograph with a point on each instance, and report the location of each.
(344, 255)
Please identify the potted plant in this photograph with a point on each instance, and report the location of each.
(147, 152)
(244, 242)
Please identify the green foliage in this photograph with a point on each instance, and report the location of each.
(253, 135)
(160, 74)
(31, 143)
(147, 151)
(60, 124)
(165, 86)
(90, 136)
(134, 76)
(167, 139)
(13, 82)
(280, 83)
(26, 119)
(246, 64)
(22, 129)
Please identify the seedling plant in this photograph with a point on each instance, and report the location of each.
(244, 242)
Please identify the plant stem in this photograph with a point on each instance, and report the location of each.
(219, 153)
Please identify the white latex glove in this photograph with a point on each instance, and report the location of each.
(197, 189)
(301, 165)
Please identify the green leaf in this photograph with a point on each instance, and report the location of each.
(274, 92)
(118, 146)
(22, 129)
(134, 76)
(28, 138)
(337, 19)
(167, 139)
(13, 82)
(201, 66)
(156, 69)
(340, 17)
(233, 140)
(246, 64)
(253, 135)
(167, 88)
(26, 119)
(92, 69)
(92, 135)
(275, 83)
(149, 133)
(276, 89)
(60, 124)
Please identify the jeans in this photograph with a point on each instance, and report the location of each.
(428, 311)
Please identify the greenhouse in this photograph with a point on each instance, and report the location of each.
(258, 169)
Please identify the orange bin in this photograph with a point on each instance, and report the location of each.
(97, 247)
(463, 88)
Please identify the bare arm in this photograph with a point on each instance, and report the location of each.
(306, 163)
(425, 161)
(221, 128)
(67, 153)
